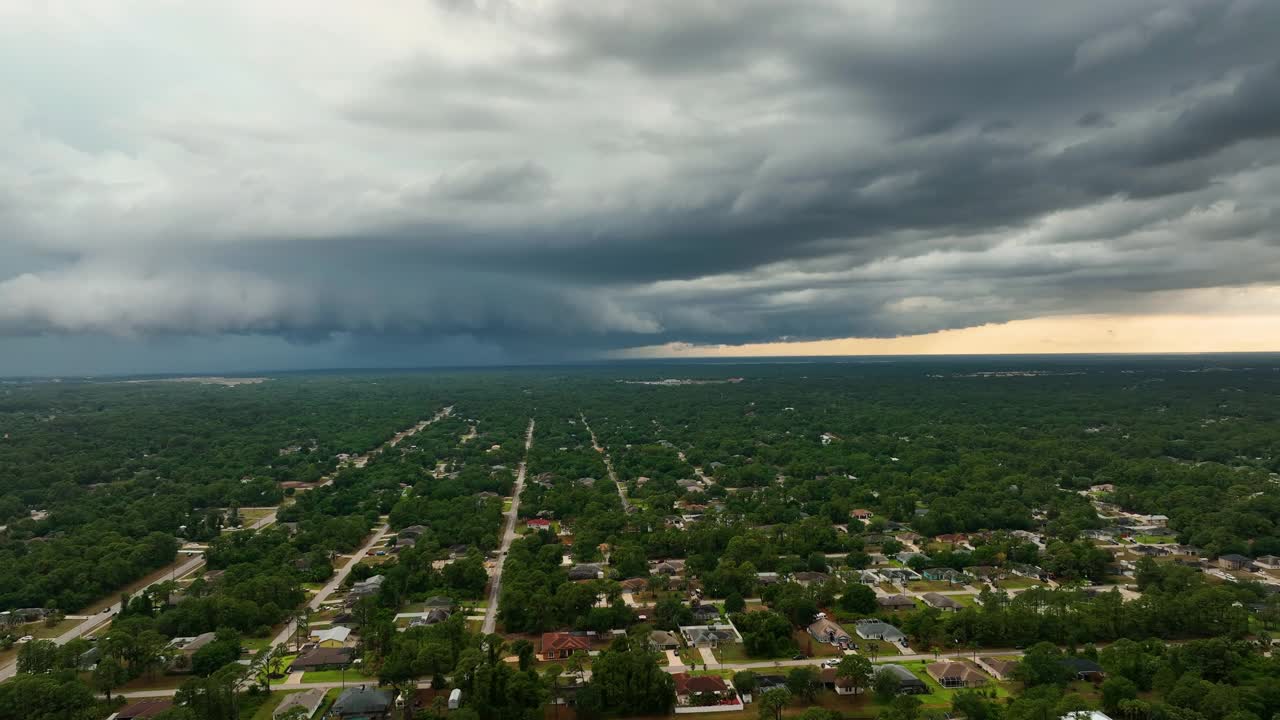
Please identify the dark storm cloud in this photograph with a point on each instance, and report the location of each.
(563, 178)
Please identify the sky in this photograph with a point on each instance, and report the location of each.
(238, 185)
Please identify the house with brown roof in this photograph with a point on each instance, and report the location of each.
(895, 602)
(941, 602)
(308, 700)
(1000, 668)
(560, 645)
(861, 514)
(703, 691)
(952, 674)
(323, 658)
(842, 686)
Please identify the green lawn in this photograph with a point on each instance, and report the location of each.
(1017, 583)
(1156, 539)
(352, 675)
(932, 586)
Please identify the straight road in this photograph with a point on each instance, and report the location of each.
(379, 534)
(508, 536)
(608, 464)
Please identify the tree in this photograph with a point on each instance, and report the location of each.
(1115, 690)
(734, 603)
(973, 705)
(858, 598)
(886, 685)
(771, 704)
(804, 682)
(109, 675)
(1042, 665)
(856, 670)
(628, 679)
(902, 707)
(745, 682)
(524, 652)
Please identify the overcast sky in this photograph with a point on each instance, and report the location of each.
(242, 184)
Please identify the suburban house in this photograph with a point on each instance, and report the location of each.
(941, 602)
(147, 708)
(895, 602)
(767, 578)
(861, 514)
(899, 575)
(413, 531)
(1084, 669)
(538, 524)
(842, 686)
(826, 630)
(365, 703)
(438, 601)
(950, 674)
(331, 637)
(807, 578)
(705, 614)
(663, 640)
(560, 645)
(1270, 562)
(703, 690)
(709, 636)
(668, 567)
(872, 629)
(1234, 562)
(308, 700)
(365, 588)
(1000, 668)
(323, 659)
(586, 571)
(634, 585)
(908, 683)
(186, 647)
(948, 575)
(434, 616)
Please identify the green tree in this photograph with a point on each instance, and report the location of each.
(772, 702)
(856, 670)
(109, 675)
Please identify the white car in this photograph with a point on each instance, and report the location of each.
(830, 663)
(26, 639)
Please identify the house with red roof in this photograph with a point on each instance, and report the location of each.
(560, 645)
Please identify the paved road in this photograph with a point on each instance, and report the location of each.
(335, 582)
(101, 617)
(508, 536)
(608, 464)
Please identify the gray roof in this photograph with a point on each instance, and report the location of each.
(354, 701)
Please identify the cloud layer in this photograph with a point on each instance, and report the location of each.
(557, 179)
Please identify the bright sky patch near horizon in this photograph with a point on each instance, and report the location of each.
(241, 185)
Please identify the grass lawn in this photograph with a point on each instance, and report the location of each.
(932, 586)
(40, 631)
(1017, 583)
(272, 702)
(883, 649)
(159, 682)
(352, 675)
(1156, 539)
(965, 599)
(689, 656)
(254, 643)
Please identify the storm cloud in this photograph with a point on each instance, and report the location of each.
(550, 179)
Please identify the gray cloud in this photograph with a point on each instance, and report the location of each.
(512, 180)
